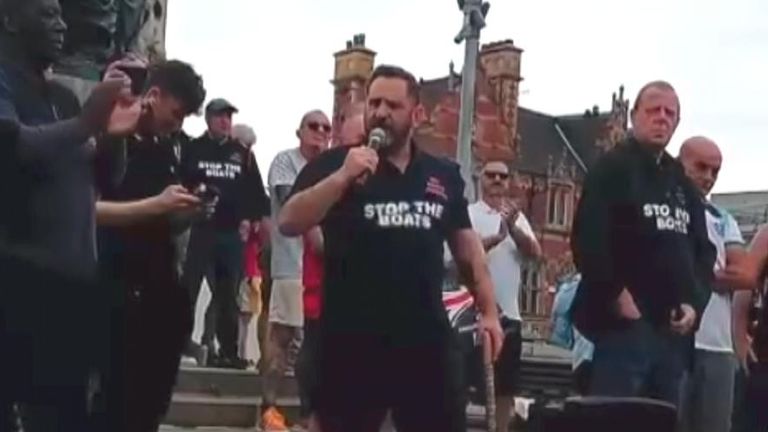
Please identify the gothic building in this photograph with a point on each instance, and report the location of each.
(549, 154)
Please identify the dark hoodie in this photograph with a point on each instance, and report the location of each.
(640, 225)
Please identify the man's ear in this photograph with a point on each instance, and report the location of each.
(419, 115)
(151, 96)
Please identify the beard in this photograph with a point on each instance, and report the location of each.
(398, 135)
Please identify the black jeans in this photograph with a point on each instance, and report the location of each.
(217, 256)
(150, 326)
(306, 365)
(46, 335)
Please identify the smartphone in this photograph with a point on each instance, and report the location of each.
(138, 77)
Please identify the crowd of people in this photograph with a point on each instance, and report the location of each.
(115, 217)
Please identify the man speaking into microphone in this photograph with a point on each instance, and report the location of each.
(385, 341)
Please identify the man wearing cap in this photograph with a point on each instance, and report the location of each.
(226, 174)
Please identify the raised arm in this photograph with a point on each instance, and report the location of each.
(524, 238)
(321, 185)
(46, 141)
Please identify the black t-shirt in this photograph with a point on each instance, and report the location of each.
(384, 247)
(232, 169)
(47, 219)
(142, 253)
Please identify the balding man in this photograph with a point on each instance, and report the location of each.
(286, 317)
(509, 241)
(640, 242)
(707, 402)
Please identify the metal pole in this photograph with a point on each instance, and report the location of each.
(474, 20)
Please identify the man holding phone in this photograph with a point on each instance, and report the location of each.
(142, 206)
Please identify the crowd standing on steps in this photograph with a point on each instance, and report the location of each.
(118, 217)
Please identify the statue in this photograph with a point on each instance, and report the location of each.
(102, 30)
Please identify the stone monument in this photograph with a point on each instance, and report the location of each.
(99, 31)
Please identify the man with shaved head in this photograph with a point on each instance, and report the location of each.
(707, 402)
(286, 317)
(509, 241)
(640, 242)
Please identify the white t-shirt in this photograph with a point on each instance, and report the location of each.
(504, 259)
(286, 251)
(714, 334)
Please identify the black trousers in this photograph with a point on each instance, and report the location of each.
(46, 329)
(362, 377)
(218, 257)
(150, 326)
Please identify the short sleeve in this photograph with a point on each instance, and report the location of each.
(315, 171)
(523, 224)
(732, 234)
(282, 172)
(458, 213)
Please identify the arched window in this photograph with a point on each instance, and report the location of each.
(559, 206)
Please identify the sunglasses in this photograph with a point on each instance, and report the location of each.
(496, 175)
(317, 127)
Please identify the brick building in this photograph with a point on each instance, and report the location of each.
(549, 154)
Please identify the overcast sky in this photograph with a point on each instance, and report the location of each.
(274, 59)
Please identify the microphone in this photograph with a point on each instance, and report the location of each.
(378, 139)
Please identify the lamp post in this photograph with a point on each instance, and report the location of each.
(475, 12)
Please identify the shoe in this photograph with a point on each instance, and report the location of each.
(188, 361)
(273, 421)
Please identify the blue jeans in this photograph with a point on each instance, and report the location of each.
(639, 361)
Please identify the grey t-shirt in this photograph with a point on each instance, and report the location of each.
(286, 251)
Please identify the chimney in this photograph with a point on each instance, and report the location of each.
(501, 64)
(353, 67)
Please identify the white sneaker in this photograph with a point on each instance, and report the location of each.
(188, 361)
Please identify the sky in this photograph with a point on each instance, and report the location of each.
(274, 59)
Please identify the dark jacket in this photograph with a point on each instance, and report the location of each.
(640, 225)
(143, 252)
(47, 219)
(230, 168)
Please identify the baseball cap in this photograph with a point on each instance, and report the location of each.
(220, 105)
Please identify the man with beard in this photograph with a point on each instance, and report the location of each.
(142, 206)
(640, 243)
(47, 253)
(385, 340)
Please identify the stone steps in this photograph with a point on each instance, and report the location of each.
(206, 397)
